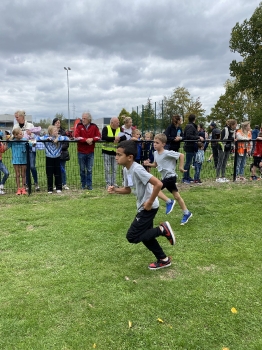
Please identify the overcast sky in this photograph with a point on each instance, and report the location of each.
(121, 52)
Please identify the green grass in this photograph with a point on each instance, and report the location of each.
(70, 279)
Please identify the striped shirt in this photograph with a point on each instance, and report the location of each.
(52, 150)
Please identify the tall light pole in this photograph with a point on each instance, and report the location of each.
(68, 112)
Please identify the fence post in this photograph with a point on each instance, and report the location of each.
(28, 176)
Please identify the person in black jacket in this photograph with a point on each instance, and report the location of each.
(214, 145)
(190, 135)
(174, 133)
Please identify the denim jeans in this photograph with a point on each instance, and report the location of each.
(189, 157)
(32, 157)
(86, 162)
(110, 166)
(4, 170)
(198, 167)
(241, 162)
(63, 171)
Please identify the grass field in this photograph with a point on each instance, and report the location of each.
(70, 280)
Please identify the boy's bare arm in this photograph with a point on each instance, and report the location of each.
(157, 185)
(147, 163)
(120, 190)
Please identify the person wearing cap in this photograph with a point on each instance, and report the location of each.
(215, 135)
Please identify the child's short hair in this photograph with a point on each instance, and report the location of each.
(260, 134)
(16, 131)
(136, 131)
(150, 135)
(129, 147)
(200, 145)
(161, 137)
(51, 129)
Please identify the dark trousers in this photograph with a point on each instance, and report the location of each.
(53, 170)
(141, 230)
(215, 154)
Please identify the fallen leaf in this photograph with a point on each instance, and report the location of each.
(129, 324)
(234, 310)
(159, 320)
(134, 281)
(225, 349)
(94, 345)
(126, 278)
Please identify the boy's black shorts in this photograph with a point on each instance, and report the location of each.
(256, 161)
(170, 184)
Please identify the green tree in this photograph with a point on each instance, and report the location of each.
(122, 115)
(180, 102)
(148, 117)
(246, 39)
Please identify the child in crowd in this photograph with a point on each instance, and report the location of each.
(165, 162)
(148, 149)
(53, 151)
(139, 181)
(257, 159)
(136, 136)
(19, 160)
(3, 169)
(199, 159)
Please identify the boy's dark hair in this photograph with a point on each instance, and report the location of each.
(129, 147)
(191, 118)
(200, 145)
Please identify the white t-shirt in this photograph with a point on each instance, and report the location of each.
(166, 163)
(127, 132)
(137, 178)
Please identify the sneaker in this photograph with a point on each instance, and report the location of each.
(37, 188)
(185, 218)
(65, 187)
(18, 192)
(170, 206)
(54, 188)
(199, 182)
(58, 191)
(168, 232)
(225, 179)
(190, 179)
(89, 188)
(2, 192)
(49, 192)
(219, 180)
(159, 264)
(1, 187)
(185, 181)
(23, 191)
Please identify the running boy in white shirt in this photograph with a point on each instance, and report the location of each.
(165, 162)
(146, 188)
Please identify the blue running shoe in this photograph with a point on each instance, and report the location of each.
(185, 218)
(170, 206)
